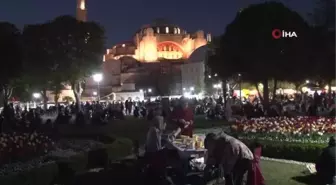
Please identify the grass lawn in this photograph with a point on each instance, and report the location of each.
(275, 173)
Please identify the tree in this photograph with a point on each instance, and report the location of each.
(11, 59)
(323, 43)
(42, 62)
(80, 47)
(252, 51)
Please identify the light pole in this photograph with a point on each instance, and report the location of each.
(240, 87)
(192, 90)
(217, 87)
(98, 78)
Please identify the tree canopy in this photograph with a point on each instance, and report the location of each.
(248, 48)
(11, 58)
(62, 51)
(80, 46)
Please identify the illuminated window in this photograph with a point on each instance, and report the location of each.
(178, 31)
(123, 45)
(175, 31)
(157, 30)
(104, 58)
(167, 30)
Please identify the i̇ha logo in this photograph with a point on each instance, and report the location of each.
(277, 34)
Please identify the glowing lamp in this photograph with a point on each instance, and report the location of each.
(97, 77)
(36, 95)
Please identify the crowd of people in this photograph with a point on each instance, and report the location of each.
(225, 152)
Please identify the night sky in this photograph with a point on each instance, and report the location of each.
(121, 18)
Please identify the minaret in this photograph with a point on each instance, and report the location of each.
(81, 10)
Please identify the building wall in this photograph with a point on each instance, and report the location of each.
(193, 75)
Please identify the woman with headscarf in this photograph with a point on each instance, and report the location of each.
(154, 135)
(154, 154)
(157, 156)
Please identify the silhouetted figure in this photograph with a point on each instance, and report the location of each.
(325, 165)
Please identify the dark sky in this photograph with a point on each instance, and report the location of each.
(121, 18)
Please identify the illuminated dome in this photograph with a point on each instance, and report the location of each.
(162, 26)
(199, 55)
(159, 40)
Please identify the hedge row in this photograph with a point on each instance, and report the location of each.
(64, 169)
(304, 152)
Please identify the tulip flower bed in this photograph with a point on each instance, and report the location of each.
(300, 138)
(16, 147)
(29, 155)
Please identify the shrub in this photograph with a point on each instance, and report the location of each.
(304, 152)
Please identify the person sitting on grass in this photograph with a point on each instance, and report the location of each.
(325, 165)
(233, 156)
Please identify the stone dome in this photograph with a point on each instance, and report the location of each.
(162, 26)
(199, 55)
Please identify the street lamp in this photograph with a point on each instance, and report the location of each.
(149, 90)
(307, 81)
(192, 88)
(36, 95)
(98, 78)
(141, 90)
(94, 93)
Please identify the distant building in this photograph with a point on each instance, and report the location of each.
(193, 71)
(157, 49)
(159, 56)
(158, 41)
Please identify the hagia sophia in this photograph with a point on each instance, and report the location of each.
(159, 41)
(157, 49)
(157, 46)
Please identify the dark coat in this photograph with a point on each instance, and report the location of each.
(325, 165)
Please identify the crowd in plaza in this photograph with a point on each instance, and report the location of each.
(181, 114)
